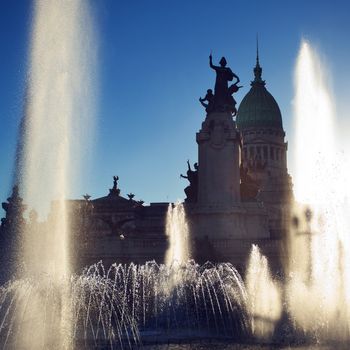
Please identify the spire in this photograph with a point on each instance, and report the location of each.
(257, 51)
(257, 69)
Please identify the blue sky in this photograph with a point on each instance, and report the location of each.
(153, 66)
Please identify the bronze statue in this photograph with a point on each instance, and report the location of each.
(115, 190)
(222, 99)
(209, 97)
(223, 76)
(232, 89)
(131, 196)
(115, 182)
(191, 191)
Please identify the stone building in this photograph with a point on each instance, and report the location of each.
(244, 189)
(264, 152)
(239, 194)
(117, 229)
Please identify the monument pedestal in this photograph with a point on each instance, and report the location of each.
(219, 159)
(222, 227)
(222, 234)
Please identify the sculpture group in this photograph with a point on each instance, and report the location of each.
(222, 99)
(219, 101)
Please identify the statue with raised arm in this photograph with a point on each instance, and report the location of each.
(222, 99)
(191, 191)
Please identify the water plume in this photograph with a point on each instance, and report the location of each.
(319, 261)
(178, 234)
(263, 295)
(58, 107)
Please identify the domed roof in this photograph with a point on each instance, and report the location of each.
(258, 107)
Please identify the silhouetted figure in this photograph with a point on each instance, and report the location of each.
(209, 97)
(86, 196)
(232, 89)
(191, 191)
(14, 209)
(11, 229)
(223, 100)
(115, 182)
(131, 196)
(115, 190)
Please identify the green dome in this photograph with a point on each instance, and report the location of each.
(258, 107)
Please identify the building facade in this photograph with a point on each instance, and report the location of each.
(264, 153)
(240, 193)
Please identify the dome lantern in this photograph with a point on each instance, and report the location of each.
(258, 107)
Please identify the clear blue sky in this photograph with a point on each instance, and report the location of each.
(153, 66)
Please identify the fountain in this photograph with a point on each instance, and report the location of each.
(124, 306)
(315, 291)
(318, 288)
(57, 101)
(127, 305)
(49, 307)
(178, 232)
(264, 296)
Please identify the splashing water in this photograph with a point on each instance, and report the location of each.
(263, 295)
(319, 258)
(178, 234)
(126, 304)
(58, 103)
(53, 309)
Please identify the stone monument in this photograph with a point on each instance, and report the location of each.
(219, 144)
(221, 224)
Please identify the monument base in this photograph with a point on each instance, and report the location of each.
(219, 145)
(226, 234)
